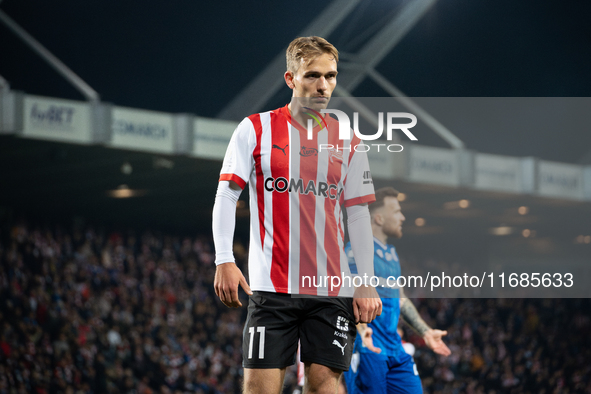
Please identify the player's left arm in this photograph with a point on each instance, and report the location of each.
(432, 337)
(365, 332)
(366, 301)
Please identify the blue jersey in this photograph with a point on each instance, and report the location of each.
(385, 336)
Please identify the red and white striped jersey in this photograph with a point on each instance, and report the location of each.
(297, 189)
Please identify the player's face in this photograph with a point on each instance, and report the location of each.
(392, 217)
(315, 80)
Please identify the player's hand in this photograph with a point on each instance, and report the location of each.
(365, 332)
(227, 278)
(366, 304)
(433, 340)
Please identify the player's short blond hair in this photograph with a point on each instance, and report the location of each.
(307, 49)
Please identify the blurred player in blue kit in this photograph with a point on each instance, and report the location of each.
(380, 364)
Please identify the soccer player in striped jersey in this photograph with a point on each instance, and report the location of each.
(297, 192)
(380, 364)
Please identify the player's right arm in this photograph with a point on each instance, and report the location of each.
(227, 275)
(236, 169)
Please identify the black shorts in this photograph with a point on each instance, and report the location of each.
(325, 327)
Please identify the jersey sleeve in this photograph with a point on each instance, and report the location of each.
(238, 161)
(358, 184)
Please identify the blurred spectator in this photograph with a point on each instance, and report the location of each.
(87, 311)
(91, 312)
(508, 346)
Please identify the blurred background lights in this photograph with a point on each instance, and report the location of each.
(523, 210)
(501, 230)
(456, 204)
(160, 162)
(420, 222)
(123, 191)
(126, 168)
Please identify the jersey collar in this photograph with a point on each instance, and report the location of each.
(294, 123)
(380, 243)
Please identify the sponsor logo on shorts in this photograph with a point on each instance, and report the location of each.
(340, 334)
(342, 323)
(337, 343)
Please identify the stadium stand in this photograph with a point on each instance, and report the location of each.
(508, 346)
(93, 311)
(89, 312)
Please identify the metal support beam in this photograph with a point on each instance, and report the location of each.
(354, 103)
(270, 80)
(384, 41)
(4, 85)
(53, 61)
(433, 123)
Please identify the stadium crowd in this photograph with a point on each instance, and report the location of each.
(502, 345)
(87, 311)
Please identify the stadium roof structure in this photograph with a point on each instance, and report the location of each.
(197, 57)
(378, 39)
(174, 191)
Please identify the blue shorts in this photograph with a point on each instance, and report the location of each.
(374, 374)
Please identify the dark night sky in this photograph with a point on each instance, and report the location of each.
(194, 56)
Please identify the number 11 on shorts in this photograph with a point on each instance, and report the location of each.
(261, 331)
